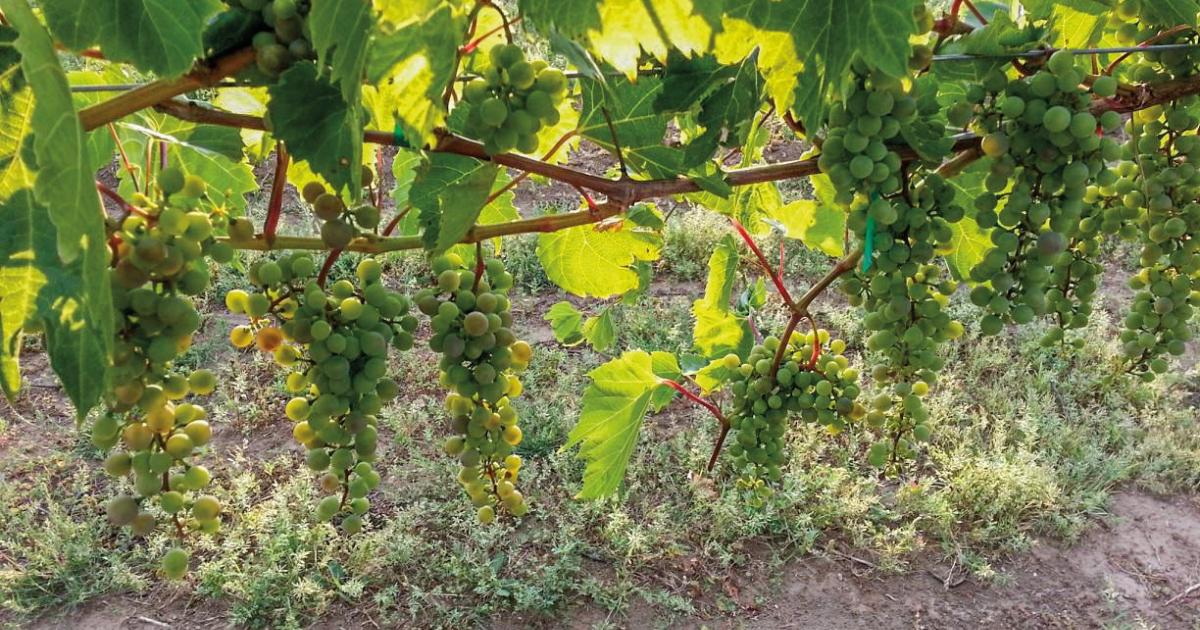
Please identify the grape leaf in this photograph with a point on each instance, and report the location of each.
(163, 36)
(566, 321)
(619, 30)
(614, 405)
(211, 153)
(341, 36)
(639, 127)
(806, 46)
(20, 278)
(587, 261)
(970, 243)
(1170, 12)
(599, 331)
(252, 102)
(728, 113)
(718, 331)
(412, 65)
(79, 330)
(819, 223)
(754, 205)
(1001, 35)
(308, 113)
(449, 191)
(715, 375)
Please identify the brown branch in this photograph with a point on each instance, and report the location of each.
(154, 93)
(275, 207)
(843, 265)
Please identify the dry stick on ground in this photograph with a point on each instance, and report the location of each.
(1188, 591)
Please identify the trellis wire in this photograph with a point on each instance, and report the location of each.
(1027, 54)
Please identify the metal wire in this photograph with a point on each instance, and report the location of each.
(1027, 54)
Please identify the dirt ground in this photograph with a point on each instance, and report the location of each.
(1138, 568)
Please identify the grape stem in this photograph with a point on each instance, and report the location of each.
(765, 264)
(800, 310)
(506, 27)
(478, 267)
(275, 207)
(345, 490)
(713, 409)
(612, 129)
(112, 131)
(391, 227)
(126, 207)
(458, 53)
(329, 260)
(1175, 30)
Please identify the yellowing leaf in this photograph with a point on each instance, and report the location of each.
(590, 261)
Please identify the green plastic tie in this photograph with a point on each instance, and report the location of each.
(398, 137)
(869, 238)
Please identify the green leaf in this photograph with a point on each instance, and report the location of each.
(718, 331)
(645, 215)
(614, 405)
(20, 277)
(211, 153)
(666, 367)
(566, 321)
(1170, 12)
(806, 46)
(162, 36)
(449, 191)
(252, 102)
(819, 223)
(970, 243)
(596, 261)
(308, 113)
(1001, 35)
(618, 31)
(728, 113)
(599, 331)
(640, 129)
(80, 328)
(341, 36)
(412, 66)
(715, 376)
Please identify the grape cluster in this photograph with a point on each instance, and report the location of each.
(470, 314)
(854, 154)
(283, 37)
(820, 387)
(513, 100)
(1043, 149)
(339, 377)
(905, 296)
(1161, 183)
(159, 265)
(340, 224)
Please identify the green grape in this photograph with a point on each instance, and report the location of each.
(175, 564)
(481, 377)
(328, 207)
(337, 234)
(335, 340)
(512, 101)
(1044, 223)
(817, 386)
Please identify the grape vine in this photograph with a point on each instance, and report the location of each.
(952, 156)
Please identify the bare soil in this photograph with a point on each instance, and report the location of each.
(1139, 567)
